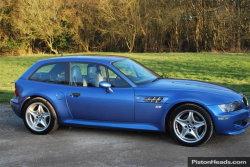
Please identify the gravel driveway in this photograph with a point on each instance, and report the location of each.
(102, 147)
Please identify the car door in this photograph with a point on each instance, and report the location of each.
(87, 101)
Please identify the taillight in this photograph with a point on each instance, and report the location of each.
(16, 93)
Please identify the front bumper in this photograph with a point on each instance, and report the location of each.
(231, 123)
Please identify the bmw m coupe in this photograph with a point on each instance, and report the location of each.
(117, 92)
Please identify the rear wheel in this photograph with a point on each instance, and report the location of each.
(39, 116)
(191, 125)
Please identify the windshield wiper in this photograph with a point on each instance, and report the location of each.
(158, 78)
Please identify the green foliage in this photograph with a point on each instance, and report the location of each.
(64, 42)
(13, 45)
(231, 70)
(5, 96)
(125, 25)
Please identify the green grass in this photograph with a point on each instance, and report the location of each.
(232, 70)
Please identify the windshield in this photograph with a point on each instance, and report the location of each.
(135, 72)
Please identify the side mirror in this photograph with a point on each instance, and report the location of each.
(106, 85)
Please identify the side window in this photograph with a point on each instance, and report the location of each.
(87, 74)
(51, 73)
(117, 81)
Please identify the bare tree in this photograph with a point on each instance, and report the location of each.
(125, 25)
(39, 19)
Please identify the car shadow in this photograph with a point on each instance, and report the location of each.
(150, 136)
(123, 133)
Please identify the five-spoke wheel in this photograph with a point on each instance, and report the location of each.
(191, 125)
(39, 116)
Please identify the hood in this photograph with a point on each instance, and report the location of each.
(181, 87)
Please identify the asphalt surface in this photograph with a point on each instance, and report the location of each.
(69, 147)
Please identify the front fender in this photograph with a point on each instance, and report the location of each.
(201, 99)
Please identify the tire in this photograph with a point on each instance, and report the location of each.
(40, 117)
(191, 125)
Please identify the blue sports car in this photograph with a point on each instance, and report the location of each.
(117, 92)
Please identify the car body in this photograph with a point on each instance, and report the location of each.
(117, 92)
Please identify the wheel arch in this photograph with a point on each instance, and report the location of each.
(32, 97)
(171, 110)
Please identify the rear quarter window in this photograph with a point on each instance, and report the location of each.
(51, 73)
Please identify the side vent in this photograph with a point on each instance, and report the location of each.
(153, 99)
(245, 101)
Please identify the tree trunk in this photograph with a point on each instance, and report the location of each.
(238, 26)
(49, 42)
(197, 31)
(145, 39)
(86, 45)
(130, 43)
(177, 36)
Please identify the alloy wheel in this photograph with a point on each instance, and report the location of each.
(190, 126)
(38, 116)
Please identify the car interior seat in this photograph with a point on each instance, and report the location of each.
(76, 77)
(94, 75)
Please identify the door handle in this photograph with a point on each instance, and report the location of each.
(75, 94)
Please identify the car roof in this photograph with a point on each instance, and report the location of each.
(91, 58)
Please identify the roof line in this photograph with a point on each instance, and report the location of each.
(101, 57)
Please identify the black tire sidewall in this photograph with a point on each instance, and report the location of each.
(53, 120)
(200, 110)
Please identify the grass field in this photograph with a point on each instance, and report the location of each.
(232, 70)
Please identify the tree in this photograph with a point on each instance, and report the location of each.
(124, 25)
(39, 19)
(121, 19)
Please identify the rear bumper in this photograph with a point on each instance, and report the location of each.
(232, 123)
(15, 106)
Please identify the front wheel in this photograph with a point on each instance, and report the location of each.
(40, 116)
(191, 125)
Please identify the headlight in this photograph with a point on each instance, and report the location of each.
(229, 107)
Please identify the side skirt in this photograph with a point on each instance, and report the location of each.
(106, 124)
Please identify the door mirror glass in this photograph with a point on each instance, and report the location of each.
(106, 85)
